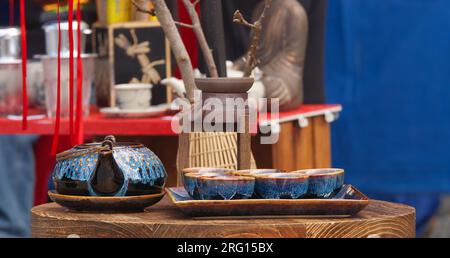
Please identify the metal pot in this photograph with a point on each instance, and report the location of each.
(10, 44)
(51, 38)
(50, 67)
(109, 169)
(10, 87)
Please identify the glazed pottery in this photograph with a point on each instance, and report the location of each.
(10, 45)
(227, 85)
(254, 172)
(190, 181)
(109, 169)
(202, 170)
(323, 183)
(106, 204)
(133, 96)
(225, 187)
(349, 204)
(281, 185)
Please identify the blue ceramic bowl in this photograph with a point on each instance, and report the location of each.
(323, 183)
(203, 170)
(190, 181)
(254, 172)
(225, 187)
(281, 185)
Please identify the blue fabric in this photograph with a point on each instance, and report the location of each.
(17, 171)
(387, 62)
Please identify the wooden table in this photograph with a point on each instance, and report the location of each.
(379, 219)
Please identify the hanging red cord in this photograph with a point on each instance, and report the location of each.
(71, 74)
(11, 13)
(79, 107)
(24, 64)
(58, 90)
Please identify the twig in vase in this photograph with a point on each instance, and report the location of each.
(256, 27)
(142, 10)
(165, 18)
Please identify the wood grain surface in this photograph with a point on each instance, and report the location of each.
(321, 142)
(379, 219)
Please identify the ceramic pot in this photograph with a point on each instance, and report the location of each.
(281, 185)
(10, 44)
(10, 87)
(133, 96)
(109, 169)
(203, 170)
(255, 172)
(224, 84)
(225, 187)
(218, 186)
(324, 182)
(51, 38)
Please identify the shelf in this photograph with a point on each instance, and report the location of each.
(97, 124)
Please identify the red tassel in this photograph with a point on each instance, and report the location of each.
(11, 12)
(79, 107)
(58, 90)
(24, 64)
(71, 75)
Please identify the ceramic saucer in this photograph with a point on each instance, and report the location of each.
(106, 204)
(153, 111)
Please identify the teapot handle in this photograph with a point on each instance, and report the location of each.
(109, 141)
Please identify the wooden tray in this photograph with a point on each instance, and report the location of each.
(348, 202)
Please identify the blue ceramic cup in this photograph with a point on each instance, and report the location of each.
(281, 185)
(254, 172)
(323, 182)
(190, 182)
(225, 187)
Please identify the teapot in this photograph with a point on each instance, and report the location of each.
(109, 168)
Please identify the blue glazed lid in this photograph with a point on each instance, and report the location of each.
(107, 145)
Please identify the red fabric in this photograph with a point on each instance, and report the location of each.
(45, 161)
(24, 64)
(79, 108)
(97, 124)
(58, 94)
(71, 75)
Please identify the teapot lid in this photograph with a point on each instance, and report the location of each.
(108, 144)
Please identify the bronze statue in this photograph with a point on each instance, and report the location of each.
(281, 52)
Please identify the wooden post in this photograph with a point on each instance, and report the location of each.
(283, 151)
(322, 142)
(303, 141)
(182, 155)
(244, 151)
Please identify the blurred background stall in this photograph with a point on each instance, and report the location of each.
(385, 61)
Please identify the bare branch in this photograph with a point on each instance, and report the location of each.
(196, 2)
(142, 10)
(179, 50)
(239, 19)
(182, 24)
(251, 59)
